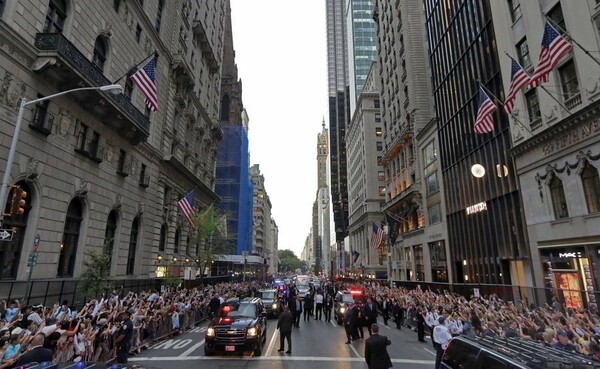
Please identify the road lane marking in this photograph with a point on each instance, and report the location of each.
(270, 347)
(354, 350)
(191, 349)
(277, 358)
(333, 323)
(431, 352)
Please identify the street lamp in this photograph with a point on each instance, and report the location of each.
(114, 89)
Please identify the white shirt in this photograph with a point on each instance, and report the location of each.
(318, 298)
(441, 335)
(431, 319)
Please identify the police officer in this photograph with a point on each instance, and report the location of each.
(123, 341)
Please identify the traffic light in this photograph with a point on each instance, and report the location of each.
(18, 201)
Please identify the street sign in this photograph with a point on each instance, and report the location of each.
(32, 260)
(6, 234)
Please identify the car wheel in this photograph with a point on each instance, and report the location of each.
(208, 352)
(258, 348)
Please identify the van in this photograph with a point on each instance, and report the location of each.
(513, 353)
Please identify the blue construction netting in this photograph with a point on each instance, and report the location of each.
(234, 187)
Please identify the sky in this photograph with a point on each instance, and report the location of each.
(281, 55)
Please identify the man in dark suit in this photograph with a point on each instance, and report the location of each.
(348, 324)
(296, 307)
(37, 353)
(370, 313)
(376, 354)
(284, 324)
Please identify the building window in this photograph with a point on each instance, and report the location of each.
(163, 237)
(558, 18)
(10, 252)
(109, 234)
(56, 16)
(533, 105)
(568, 80)
(523, 55)
(433, 184)
(435, 213)
(133, 238)
(559, 202)
(142, 173)
(378, 132)
(138, 33)
(377, 118)
(93, 147)
(121, 164)
(591, 188)
(100, 52)
(225, 108)
(379, 145)
(376, 104)
(429, 153)
(68, 247)
(159, 13)
(176, 241)
(2, 5)
(514, 6)
(381, 175)
(116, 5)
(82, 137)
(379, 160)
(381, 190)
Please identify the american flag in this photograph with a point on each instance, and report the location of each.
(376, 237)
(554, 46)
(186, 205)
(484, 123)
(145, 78)
(518, 79)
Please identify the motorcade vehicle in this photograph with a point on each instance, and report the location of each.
(271, 300)
(512, 353)
(239, 326)
(350, 297)
(303, 289)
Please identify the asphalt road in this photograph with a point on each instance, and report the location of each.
(315, 345)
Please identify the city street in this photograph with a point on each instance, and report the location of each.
(315, 345)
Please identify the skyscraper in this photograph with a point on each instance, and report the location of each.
(339, 114)
(322, 230)
(362, 45)
(484, 218)
(233, 180)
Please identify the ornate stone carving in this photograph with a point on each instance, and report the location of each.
(32, 169)
(118, 201)
(148, 45)
(12, 89)
(107, 31)
(109, 151)
(84, 188)
(65, 121)
(141, 208)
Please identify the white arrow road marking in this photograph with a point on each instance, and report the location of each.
(191, 349)
(431, 352)
(273, 337)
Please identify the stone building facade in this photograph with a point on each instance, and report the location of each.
(555, 132)
(102, 171)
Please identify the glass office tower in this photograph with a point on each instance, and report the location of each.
(485, 221)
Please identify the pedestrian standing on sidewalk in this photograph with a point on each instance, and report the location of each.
(376, 354)
(318, 305)
(441, 336)
(421, 326)
(284, 324)
(328, 305)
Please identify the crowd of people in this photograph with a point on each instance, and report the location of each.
(106, 329)
(118, 324)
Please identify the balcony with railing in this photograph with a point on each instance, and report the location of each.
(90, 148)
(60, 62)
(573, 101)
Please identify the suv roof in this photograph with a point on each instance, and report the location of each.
(525, 352)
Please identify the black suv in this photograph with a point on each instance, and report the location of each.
(342, 298)
(512, 353)
(271, 301)
(239, 326)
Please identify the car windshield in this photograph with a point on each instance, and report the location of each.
(303, 288)
(267, 295)
(347, 298)
(236, 310)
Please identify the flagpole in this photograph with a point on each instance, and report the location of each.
(154, 53)
(502, 103)
(554, 24)
(542, 87)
